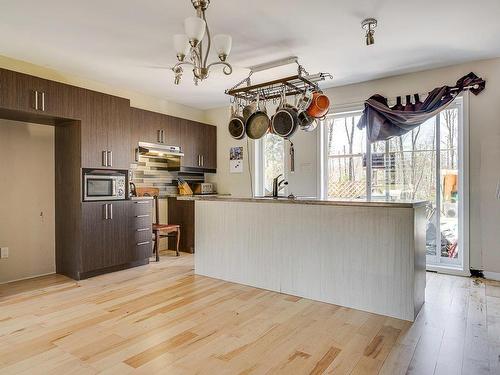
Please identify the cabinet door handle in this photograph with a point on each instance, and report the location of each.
(143, 243)
(104, 159)
(105, 213)
(139, 216)
(110, 158)
(202, 160)
(142, 202)
(110, 207)
(43, 101)
(159, 135)
(36, 100)
(162, 136)
(143, 229)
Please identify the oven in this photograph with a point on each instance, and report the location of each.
(103, 185)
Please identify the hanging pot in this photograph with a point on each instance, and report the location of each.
(236, 125)
(248, 110)
(307, 123)
(320, 105)
(285, 120)
(257, 124)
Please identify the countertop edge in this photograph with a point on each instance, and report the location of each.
(306, 201)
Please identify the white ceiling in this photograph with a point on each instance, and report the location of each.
(125, 43)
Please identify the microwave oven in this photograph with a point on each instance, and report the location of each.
(103, 185)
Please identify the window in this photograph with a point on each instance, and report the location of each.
(424, 164)
(273, 159)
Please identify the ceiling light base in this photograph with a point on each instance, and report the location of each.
(369, 24)
(200, 4)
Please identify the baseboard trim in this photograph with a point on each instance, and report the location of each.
(137, 263)
(27, 278)
(491, 275)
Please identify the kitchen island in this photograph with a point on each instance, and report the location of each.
(367, 255)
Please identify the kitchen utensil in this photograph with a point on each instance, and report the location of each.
(236, 125)
(319, 106)
(292, 157)
(248, 110)
(257, 125)
(132, 190)
(304, 101)
(285, 120)
(306, 122)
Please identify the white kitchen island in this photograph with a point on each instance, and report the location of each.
(367, 255)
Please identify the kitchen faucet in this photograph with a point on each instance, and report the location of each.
(277, 185)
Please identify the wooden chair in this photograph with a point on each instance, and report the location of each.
(160, 230)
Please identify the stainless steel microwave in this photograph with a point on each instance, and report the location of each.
(103, 185)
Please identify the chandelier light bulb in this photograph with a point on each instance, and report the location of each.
(195, 30)
(223, 43)
(181, 45)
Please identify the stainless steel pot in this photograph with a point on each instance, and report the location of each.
(257, 124)
(285, 120)
(236, 124)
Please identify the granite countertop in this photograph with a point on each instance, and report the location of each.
(140, 198)
(311, 201)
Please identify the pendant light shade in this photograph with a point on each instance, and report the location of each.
(181, 45)
(195, 29)
(223, 43)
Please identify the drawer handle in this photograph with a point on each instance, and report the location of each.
(143, 202)
(143, 243)
(143, 229)
(141, 215)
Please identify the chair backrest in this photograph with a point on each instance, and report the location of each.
(151, 192)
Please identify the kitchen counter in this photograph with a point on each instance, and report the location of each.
(366, 255)
(311, 201)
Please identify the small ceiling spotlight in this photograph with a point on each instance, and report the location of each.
(369, 24)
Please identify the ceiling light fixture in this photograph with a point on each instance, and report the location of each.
(191, 44)
(369, 24)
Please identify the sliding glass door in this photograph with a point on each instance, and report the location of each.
(424, 164)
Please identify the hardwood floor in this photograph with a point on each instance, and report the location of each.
(162, 318)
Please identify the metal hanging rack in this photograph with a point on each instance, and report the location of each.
(291, 85)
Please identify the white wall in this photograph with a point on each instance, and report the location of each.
(27, 219)
(484, 123)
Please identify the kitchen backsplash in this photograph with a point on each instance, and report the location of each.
(153, 172)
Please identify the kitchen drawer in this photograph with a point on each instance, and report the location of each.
(142, 221)
(143, 249)
(142, 207)
(143, 234)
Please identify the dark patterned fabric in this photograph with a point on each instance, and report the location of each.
(384, 123)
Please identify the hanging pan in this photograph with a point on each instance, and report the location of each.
(236, 125)
(285, 120)
(257, 124)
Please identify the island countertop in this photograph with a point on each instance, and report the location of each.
(310, 201)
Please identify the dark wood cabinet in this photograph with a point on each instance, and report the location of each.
(105, 131)
(109, 235)
(199, 144)
(210, 147)
(182, 213)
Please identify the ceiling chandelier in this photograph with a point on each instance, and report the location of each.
(369, 25)
(190, 45)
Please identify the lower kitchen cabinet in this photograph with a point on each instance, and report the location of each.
(115, 234)
(182, 213)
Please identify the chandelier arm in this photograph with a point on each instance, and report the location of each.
(228, 69)
(209, 42)
(180, 63)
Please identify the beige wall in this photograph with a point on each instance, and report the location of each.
(136, 99)
(484, 124)
(26, 199)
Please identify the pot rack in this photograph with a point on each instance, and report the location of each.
(291, 85)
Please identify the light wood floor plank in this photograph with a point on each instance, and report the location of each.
(163, 319)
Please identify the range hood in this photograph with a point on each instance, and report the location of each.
(158, 150)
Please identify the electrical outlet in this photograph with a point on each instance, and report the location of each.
(4, 252)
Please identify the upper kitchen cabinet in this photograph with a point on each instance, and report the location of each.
(199, 145)
(105, 127)
(154, 127)
(22, 92)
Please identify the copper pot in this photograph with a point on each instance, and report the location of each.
(319, 106)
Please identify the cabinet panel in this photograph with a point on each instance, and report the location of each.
(182, 213)
(191, 143)
(117, 120)
(210, 147)
(172, 130)
(94, 133)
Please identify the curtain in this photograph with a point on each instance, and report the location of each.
(384, 122)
